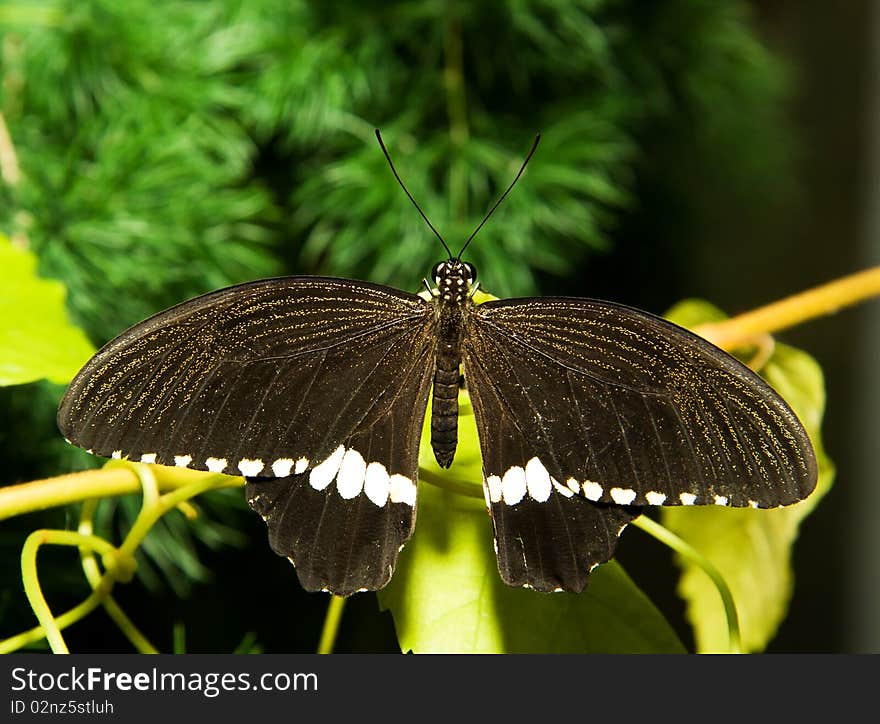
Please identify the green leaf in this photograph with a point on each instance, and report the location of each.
(447, 596)
(750, 548)
(36, 338)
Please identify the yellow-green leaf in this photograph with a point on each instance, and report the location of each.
(36, 338)
(750, 548)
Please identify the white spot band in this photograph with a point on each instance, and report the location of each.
(592, 491)
(377, 483)
(216, 465)
(623, 496)
(538, 481)
(250, 468)
(402, 490)
(324, 474)
(513, 485)
(493, 482)
(350, 478)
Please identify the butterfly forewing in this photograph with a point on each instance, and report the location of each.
(587, 410)
(630, 409)
(247, 379)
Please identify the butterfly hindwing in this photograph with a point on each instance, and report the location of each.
(547, 536)
(633, 410)
(343, 523)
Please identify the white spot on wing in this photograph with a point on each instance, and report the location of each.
(182, 461)
(249, 468)
(301, 465)
(377, 483)
(116, 455)
(538, 480)
(720, 500)
(573, 485)
(402, 490)
(562, 489)
(494, 484)
(655, 498)
(148, 458)
(687, 498)
(322, 475)
(623, 496)
(513, 485)
(350, 479)
(216, 465)
(281, 467)
(753, 503)
(592, 491)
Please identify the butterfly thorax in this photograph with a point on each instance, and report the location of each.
(453, 279)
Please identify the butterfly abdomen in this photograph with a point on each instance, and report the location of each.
(444, 405)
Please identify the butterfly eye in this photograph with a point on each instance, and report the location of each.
(435, 271)
(471, 271)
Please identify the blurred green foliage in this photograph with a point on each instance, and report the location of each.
(171, 148)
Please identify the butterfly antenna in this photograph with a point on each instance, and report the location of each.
(406, 191)
(498, 203)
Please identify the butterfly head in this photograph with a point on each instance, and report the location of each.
(453, 279)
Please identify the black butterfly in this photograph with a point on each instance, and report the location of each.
(315, 390)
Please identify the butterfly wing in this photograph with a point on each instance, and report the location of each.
(619, 408)
(547, 536)
(305, 383)
(344, 535)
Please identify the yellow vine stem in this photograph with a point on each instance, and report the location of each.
(93, 575)
(13, 643)
(120, 478)
(686, 551)
(331, 624)
(817, 302)
(113, 480)
(453, 485)
(31, 581)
